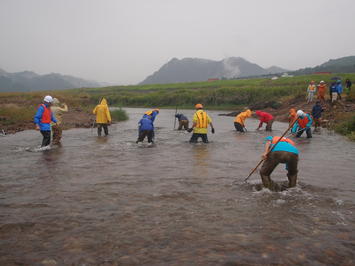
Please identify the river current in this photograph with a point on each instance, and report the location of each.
(107, 201)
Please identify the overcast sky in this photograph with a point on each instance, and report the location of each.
(123, 41)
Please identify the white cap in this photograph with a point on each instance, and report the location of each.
(48, 99)
(322, 81)
(300, 113)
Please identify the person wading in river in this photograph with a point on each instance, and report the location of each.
(146, 129)
(103, 117)
(201, 120)
(152, 114)
(58, 113)
(266, 118)
(284, 152)
(239, 121)
(303, 123)
(43, 119)
(183, 121)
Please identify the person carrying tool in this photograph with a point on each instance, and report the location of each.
(58, 113)
(200, 122)
(303, 123)
(317, 114)
(311, 90)
(266, 118)
(283, 152)
(239, 121)
(43, 118)
(103, 116)
(292, 116)
(183, 121)
(322, 88)
(146, 129)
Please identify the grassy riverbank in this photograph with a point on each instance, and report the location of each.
(272, 95)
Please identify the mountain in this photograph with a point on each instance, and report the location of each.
(197, 69)
(30, 81)
(340, 65)
(275, 70)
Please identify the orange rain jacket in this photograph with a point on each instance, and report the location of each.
(240, 118)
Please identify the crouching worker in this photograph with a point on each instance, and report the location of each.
(201, 120)
(283, 152)
(58, 113)
(103, 117)
(303, 123)
(146, 129)
(239, 121)
(43, 119)
(266, 118)
(183, 121)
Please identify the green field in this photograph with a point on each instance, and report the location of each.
(223, 94)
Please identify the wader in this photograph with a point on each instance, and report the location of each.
(273, 159)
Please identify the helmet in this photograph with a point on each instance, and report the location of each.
(322, 81)
(48, 99)
(198, 106)
(300, 113)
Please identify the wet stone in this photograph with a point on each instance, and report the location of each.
(48, 262)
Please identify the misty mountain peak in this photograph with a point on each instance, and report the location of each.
(198, 69)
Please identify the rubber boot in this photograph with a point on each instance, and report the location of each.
(267, 182)
(292, 180)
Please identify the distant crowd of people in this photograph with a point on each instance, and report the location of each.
(335, 90)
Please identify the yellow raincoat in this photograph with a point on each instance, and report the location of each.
(102, 112)
(240, 118)
(202, 120)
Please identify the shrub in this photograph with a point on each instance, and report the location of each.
(347, 127)
(119, 115)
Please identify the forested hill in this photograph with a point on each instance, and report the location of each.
(340, 65)
(31, 81)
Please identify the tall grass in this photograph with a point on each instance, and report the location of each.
(11, 114)
(119, 115)
(214, 94)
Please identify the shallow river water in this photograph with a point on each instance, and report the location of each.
(106, 201)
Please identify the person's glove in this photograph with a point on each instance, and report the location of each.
(190, 130)
(212, 130)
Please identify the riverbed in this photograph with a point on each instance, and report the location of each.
(107, 201)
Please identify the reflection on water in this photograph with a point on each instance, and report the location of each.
(201, 158)
(105, 201)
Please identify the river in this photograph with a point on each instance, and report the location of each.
(107, 201)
